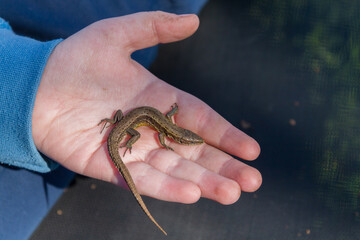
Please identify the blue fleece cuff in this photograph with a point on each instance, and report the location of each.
(22, 62)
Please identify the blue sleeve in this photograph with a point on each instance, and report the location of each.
(22, 61)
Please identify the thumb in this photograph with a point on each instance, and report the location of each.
(146, 29)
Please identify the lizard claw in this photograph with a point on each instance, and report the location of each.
(128, 147)
(106, 120)
(103, 127)
(174, 106)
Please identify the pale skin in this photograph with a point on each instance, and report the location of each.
(90, 75)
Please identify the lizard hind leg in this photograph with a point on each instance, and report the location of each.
(117, 117)
(135, 135)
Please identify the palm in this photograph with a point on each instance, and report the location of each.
(96, 77)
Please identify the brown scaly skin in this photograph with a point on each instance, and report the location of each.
(144, 116)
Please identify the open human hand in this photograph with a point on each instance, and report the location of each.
(90, 75)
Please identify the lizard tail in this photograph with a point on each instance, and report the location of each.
(119, 164)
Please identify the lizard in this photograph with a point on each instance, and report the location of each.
(143, 116)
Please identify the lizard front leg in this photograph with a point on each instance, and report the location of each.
(162, 141)
(172, 112)
(135, 135)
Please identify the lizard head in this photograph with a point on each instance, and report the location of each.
(190, 138)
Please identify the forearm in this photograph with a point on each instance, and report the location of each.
(21, 65)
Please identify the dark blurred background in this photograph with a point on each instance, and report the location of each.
(286, 73)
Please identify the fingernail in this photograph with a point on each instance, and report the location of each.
(186, 15)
